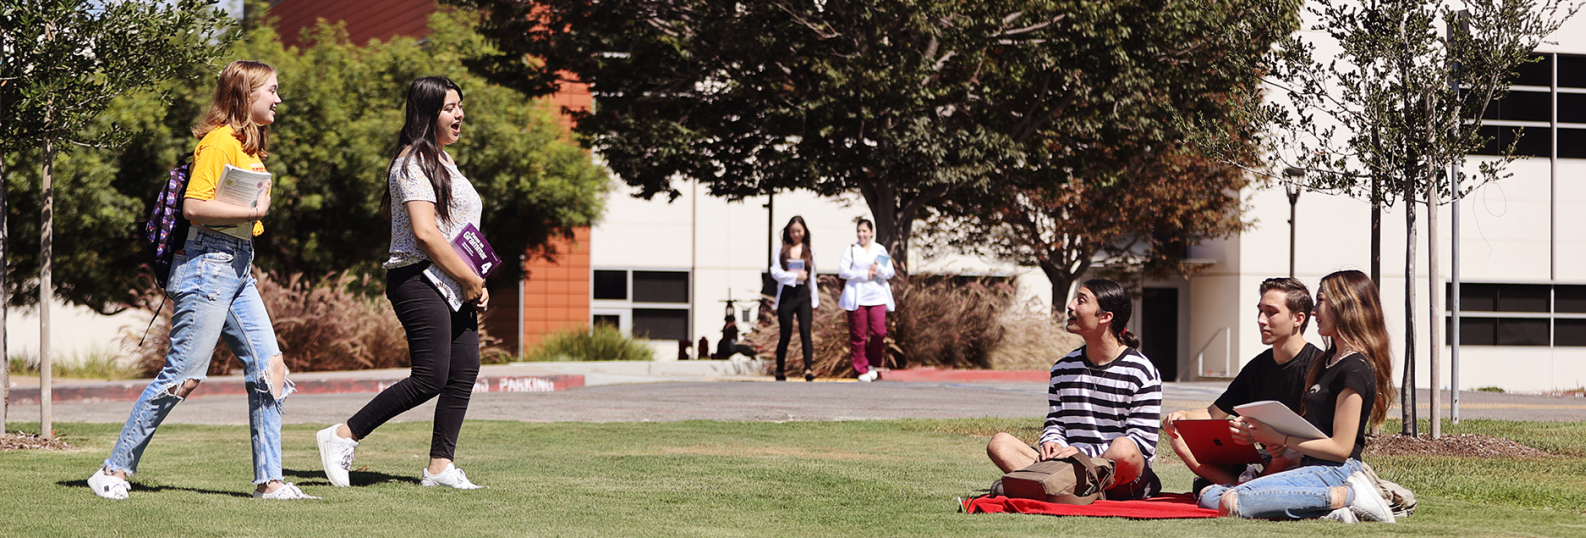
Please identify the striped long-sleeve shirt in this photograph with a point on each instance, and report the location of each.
(1092, 405)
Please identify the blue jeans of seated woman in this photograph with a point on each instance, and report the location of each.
(216, 297)
(1301, 493)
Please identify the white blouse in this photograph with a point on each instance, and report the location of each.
(860, 290)
(785, 278)
(409, 184)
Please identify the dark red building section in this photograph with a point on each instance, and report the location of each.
(366, 19)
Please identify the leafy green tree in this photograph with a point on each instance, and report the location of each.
(1395, 111)
(906, 103)
(66, 61)
(1124, 190)
(334, 135)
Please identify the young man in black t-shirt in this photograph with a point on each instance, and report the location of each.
(1276, 374)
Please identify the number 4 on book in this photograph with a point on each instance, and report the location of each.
(475, 251)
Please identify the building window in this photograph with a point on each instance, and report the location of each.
(660, 324)
(644, 303)
(1527, 117)
(611, 285)
(1542, 315)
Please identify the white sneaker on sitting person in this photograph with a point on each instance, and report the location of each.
(451, 477)
(108, 486)
(335, 454)
(1344, 515)
(1369, 504)
(287, 492)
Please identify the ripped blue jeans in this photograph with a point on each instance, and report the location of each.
(1298, 493)
(216, 297)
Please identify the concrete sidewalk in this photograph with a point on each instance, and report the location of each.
(516, 377)
(687, 390)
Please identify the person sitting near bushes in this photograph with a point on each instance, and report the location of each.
(1276, 374)
(1106, 398)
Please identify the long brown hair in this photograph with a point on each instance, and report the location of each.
(787, 245)
(1358, 323)
(416, 140)
(233, 106)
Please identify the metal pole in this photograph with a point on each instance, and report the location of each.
(1453, 300)
(1292, 188)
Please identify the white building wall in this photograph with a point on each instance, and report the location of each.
(1522, 229)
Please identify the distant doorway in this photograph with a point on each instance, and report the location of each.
(1159, 329)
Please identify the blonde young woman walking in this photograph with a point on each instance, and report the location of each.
(214, 292)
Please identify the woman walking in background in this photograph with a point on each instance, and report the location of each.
(795, 294)
(867, 297)
(1351, 386)
(211, 283)
(429, 202)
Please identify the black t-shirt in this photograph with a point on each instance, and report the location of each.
(1264, 379)
(1321, 400)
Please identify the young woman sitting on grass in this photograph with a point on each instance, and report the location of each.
(1350, 386)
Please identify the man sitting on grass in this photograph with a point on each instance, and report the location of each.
(1106, 398)
(1276, 374)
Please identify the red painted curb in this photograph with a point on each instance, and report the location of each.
(936, 375)
(125, 391)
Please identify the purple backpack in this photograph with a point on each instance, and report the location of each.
(166, 230)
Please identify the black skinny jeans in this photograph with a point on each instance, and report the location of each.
(795, 301)
(444, 349)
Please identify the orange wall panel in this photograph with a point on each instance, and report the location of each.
(365, 19)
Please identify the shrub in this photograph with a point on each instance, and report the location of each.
(96, 363)
(600, 343)
(342, 322)
(949, 321)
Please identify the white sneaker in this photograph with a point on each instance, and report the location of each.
(869, 376)
(335, 454)
(451, 477)
(1344, 515)
(287, 492)
(1369, 504)
(108, 486)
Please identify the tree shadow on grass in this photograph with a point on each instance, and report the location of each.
(143, 488)
(357, 478)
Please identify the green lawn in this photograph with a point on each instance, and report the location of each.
(866, 478)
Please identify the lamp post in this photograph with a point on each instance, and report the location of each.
(1292, 186)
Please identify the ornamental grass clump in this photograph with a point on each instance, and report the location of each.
(599, 343)
(946, 321)
(342, 322)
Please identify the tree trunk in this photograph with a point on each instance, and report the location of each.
(1434, 294)
(1062, 283)
(1407, 394)
(1376, 231)
(894, 214)
(5, 372)
(46, 293)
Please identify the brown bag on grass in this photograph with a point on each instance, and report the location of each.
(1077, 479)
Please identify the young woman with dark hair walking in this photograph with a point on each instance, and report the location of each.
(429, 202)
(795, 295)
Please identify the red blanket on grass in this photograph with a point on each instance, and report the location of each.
(1165, 506)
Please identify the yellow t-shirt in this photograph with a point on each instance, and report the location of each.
(217, 149)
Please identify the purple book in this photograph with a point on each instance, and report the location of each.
(475, 251)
